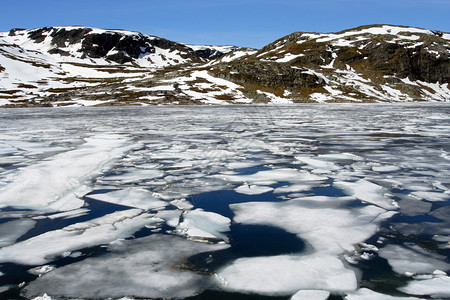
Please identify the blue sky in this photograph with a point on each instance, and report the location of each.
(248, 23)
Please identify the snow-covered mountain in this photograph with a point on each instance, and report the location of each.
(41, 65)
(57, 66)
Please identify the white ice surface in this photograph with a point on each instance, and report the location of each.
(144, 268)
(366, 294)
(132, 197)
(199, 224)
(70, 214)
(182, 204)
(317, 163)
(56, 183)
(292, 188)
(172, 217)
(413, 259)
(253, 189)
(311, 295)
(328, 232)
(12, 230)
(385, 169)
(136, 175)
(438, 287)
(43, 297)
(44, 248)
(431, 196)
(367, 191)
(274, 176)
(327, 228)
(286, 274)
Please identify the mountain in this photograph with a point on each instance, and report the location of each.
(57, 66)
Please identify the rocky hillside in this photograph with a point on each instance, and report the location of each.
(372, 63)
(57, 66)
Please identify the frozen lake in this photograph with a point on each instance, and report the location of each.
(240, 202)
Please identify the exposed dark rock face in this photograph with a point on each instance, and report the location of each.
(59, 51)
(63, 36)
(125, 46)
(38, 35)
(208, 53)
(13, 31)
(98, 45)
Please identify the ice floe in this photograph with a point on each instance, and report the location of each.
(385, 169)
(12, 230)
(132, 197)
(253, 189)
(182, 204)
(44, 248)
(327, 228)
(413, 259)
(150, 267)
(367, 191)
(171, 217)
(70, 214)
(286, 274)
(431, 196)
(366, 294)
(135, 175)
(292, 188)
(203, 225)
(274, 176)
(317, 163)
(311, 294)
(57, 183)
(437, 287)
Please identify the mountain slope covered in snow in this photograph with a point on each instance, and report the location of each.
(58, 66)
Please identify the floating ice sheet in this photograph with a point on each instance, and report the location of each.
(385, 169)
(366, 294)
(253, 189)
(12, 230)
(199, 224)
(132, 197)
(43, 297)
(44, 248)
(413, 259)
(327, 229)
(182, 204)
(70, 214)
(145, 267)
(367, 191)
(135, 175)
(172, 217)
(431, 196)
(311, 295)
(45, 184)
(274, 176)
(322, 224)
(292, 188)
(438, 287)
(317, 163)
(286, 274)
